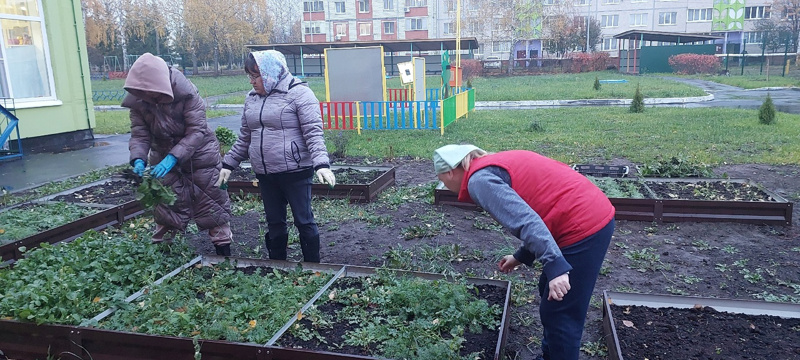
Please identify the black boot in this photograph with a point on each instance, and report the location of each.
(276, 248)
(223, 250)
(310, 247)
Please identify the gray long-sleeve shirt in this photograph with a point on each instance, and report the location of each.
(490, 188)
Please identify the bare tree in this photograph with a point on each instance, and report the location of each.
(788, 13)
(285, 15)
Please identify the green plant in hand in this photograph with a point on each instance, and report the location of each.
(152, 192)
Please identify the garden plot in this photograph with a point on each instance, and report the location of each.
(640, 326)
(23, 221)
(357, 183)
(679, 200)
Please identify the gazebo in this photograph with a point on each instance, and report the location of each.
(645, 51)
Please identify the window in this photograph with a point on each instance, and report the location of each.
(363, 6)
(416, 24)
(449, 28)
(584, 2)
(610, 1)
(388, 28)
(340, 9)
(313, 28)
(341, 30)
(699, 15)
(639, 19)
(609, 21)
(364, 29)
(753, 37)
(548, 2)
(500, 46)
(388, 4)
(756, 12)
(24, 53)
(609, 44)
(313, 6)
(474, 28)
(667, 18)
(416, 3)
(638, 1)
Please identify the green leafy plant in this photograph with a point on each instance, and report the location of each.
(596, 83)
(676, 166)
(340, 141)
(152, 192)
(225, 136)
(766, 113)
(637, 105)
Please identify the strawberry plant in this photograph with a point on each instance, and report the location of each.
(220, 302)
(152, 192)
(399, 317)
(26, 220)
(71, 282)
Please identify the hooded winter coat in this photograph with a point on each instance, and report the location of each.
(168, 117)
(281, 131)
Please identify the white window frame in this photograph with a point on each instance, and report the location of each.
(699, 15)
(393, 27)
(365, 26)
(340, 7)
(388, 4)
(315, 26)
(608, 21)
(753, 37)
(342, 27)
(611, 2)
(756, 12)
(668, 18)
(21, 103)
(608, 44)
(638, 1)
(449, 28)
(363, 6)
(416, 3)
(313, 6)
(639, 19)
(584, 2)
(416, 24)
(500, 47)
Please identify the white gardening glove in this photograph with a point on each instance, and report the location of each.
(325, 176)
(224, 174)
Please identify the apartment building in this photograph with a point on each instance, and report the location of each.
(374, 20)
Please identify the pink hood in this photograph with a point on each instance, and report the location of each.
(150, 73)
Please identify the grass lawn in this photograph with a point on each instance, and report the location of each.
(598, 134)
(753, 76)
(118, 122)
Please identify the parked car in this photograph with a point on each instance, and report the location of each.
(491, 62)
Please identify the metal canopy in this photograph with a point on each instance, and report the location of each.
(678, 38)
(388, 45)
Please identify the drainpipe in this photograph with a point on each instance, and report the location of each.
(80, 65)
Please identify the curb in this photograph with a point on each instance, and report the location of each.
(590, 102)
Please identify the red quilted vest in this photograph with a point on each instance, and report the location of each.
(571, 206)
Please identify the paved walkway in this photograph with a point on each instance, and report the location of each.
(37, 169)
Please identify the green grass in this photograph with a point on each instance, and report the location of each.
(753, 76)
(577, 86)
(595, 134)
(118, 121)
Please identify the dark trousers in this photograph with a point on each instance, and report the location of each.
(294, 189)
(563, 321)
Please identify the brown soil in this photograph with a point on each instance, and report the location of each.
(703, 333)
(112, 193)
(708, 190)
(720, 260)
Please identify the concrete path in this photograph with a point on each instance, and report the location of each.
(36, 169)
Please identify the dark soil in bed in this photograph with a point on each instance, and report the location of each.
(703, 333)
(112, 193)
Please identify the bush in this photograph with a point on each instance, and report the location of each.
(584, 62)
(597, 83)
(340, 142)
(470, 69)
(676, 167)
(694, 64)
(766, 113)
(637, 105)
(225, 136)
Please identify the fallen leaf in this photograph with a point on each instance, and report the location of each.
(2, 231)
(628, 323)
(332, 295)
(196, 332)
(96, 299)
(252, 323)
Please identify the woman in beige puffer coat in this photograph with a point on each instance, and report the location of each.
(169, 128)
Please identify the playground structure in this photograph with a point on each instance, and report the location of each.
(367, 104)
(9, 130)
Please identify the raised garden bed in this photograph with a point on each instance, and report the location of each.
(678, 200)
(215, 304)
(641, 326)
(357, 183)
(95, 215)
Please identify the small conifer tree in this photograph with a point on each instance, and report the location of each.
(637, 105)
(766, 113)
(596, 83)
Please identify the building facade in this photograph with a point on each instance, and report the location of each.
(358, 20)
(44, 70)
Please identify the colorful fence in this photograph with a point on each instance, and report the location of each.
(397, 114)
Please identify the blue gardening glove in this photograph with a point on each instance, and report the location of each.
(164, 166)
(138, 167)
